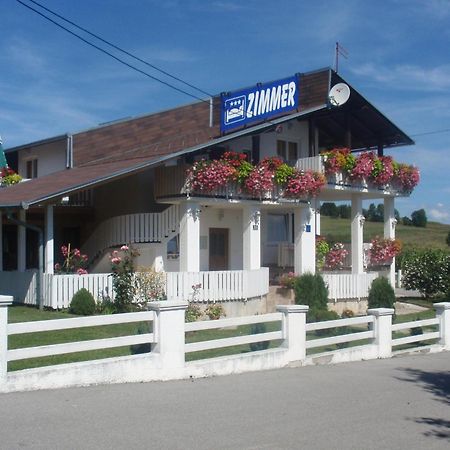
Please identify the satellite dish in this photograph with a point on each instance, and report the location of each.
(339, 94)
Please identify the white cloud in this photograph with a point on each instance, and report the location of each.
(407, 76)
(439, 215)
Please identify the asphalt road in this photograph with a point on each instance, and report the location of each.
(399, 403)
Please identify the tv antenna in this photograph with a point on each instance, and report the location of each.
(339, 51)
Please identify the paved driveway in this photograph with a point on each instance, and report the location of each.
(400, 403)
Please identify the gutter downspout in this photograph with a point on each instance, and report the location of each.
(41, 253)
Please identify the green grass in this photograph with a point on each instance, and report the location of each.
(433, 236)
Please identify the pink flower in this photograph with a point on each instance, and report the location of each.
(124, 248)
(81, 271)
(64, 251)
(116, 260)
(57, 267)
(77, 253)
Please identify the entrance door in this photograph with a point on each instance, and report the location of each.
(218, 249)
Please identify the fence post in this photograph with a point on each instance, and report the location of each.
(168, 332)
(5, 301)
(294, 330)
(443, 314)
(383, 330)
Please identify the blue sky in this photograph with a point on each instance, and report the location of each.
(51, 83)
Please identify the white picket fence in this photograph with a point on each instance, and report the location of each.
(58, 290)
(217, 285)
(133, 229)
(349, 286)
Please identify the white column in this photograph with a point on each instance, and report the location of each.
(294, 330)
(357, 228)
(49, 240)
(168, 331)
(389, 231)
(189, 237)
(21, 243)
(317, 206)
(383, 330)
(1, 242)
(443, 314)
(5, 301)
(251, 219)
(304, 240)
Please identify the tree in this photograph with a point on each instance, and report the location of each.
(375, 213)
(419, 218)
(448, 239)
(345, 211)
(407, 221)
(329, 209)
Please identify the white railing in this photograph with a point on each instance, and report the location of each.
(133, 229)
(76, 323)
(367, 337)
(236, 340)
(348, 285)
(58, 290)
(340, 339)
(421, 336)
(217, 285)
(314, 163)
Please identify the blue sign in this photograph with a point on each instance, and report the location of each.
(258, 103)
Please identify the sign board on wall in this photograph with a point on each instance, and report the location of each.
(258, 103)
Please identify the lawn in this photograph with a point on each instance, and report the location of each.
(433, 236)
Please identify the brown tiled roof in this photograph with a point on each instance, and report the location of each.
(149, 136)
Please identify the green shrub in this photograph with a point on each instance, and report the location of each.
(427, 271)
(83, 303)
(258, 328)
(381, 294)
(215, 311)
(311, 290)
(193, 313)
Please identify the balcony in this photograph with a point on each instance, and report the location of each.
(318, 176)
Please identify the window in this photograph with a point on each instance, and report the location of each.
(173, 248)
(277, 230)
(32, 168)
(288, 150)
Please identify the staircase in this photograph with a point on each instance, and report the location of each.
(133, 229)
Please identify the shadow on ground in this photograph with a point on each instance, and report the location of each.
(437, 384)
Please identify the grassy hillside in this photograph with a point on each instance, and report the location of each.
(433, 236)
